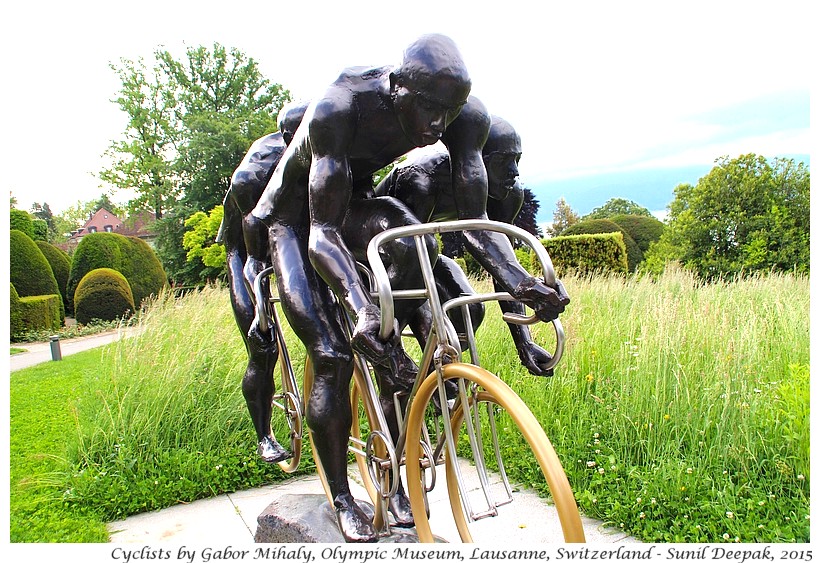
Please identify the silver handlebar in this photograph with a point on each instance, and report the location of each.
(383, 281)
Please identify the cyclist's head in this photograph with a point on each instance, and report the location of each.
(429, 88)
(501, 153)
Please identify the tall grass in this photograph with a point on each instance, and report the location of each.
(165, 421)
(681, 409)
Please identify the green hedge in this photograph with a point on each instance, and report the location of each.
(60, 263)
(587, 253)
(634, 255)
(103, 294)
(15, 313)
(20, 220)
(130, 256)
(29, 270)
(643, 230)
(39, 312)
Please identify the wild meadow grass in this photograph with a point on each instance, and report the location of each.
(165, 422)
(680, 411)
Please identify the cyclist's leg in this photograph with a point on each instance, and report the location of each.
(362, 222)
(311, 312)
(257, 383)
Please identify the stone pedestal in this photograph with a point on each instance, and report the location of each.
(309, 519)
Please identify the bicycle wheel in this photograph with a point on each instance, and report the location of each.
(287, 400)
(291, 406)
(521, 430)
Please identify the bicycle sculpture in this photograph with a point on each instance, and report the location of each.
(430, 435)
(314, 223)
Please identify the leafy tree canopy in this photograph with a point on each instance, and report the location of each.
(199, 241)
(747, 214)
(191, 120)
(617, 206)
(562, 218)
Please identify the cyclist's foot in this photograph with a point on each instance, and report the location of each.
(365, 338)
(399, 507)
(353, 522)
(271, 451)
(399, 374)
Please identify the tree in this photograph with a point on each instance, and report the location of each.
(199, 241)
(562, 218)
(617, 206)
(43, 212)
(747, 214)
(190, 123)
(223, 104)
(143, 160)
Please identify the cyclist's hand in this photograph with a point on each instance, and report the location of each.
(547, 302)
(260, 340)
(365, 338)
(535, 359)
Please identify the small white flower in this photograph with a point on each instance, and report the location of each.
(730, 514)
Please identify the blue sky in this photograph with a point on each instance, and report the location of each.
(623, 99)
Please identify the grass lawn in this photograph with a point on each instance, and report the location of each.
(680, 413)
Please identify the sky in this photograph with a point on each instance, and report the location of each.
(611, 99)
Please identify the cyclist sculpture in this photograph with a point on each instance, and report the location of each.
(424, 183)
(247, 184)
(318, 213)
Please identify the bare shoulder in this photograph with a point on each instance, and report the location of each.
(470, 129)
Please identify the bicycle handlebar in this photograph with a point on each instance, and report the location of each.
(383, 281)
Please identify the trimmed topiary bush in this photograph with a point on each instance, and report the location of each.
(60, 263)
(20, 220)
(15, 313)
(36, 313)
(643, 230)
(130, 256)
(604, 252)
(103, 294)
(29, 270)
(634, 255)
(143, 270)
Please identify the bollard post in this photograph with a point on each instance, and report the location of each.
(55, 348)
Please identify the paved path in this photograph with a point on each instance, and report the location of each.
(39, 352)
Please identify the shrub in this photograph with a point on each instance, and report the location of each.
(604, 252)
(21, 221)
(634, 255)
(103, 294)
(29, 270)
(60, 263)
(130, 256)
(39, 312)
(15, 313)
(40, 230)
(643, 230)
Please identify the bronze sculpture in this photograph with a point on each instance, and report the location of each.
(424, 183)
(319, 210)
(247, 184)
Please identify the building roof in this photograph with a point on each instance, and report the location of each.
(104, 221)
